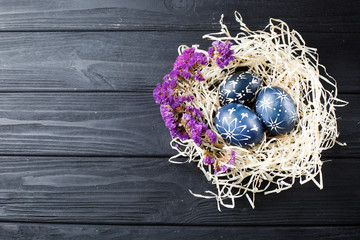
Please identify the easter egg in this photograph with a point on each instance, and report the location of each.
(239, 88)
(276, 109)
(239, 125)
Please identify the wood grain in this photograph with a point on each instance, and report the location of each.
(154, 191)
(23, 231)
(115, 61)
(45, 15)
(82, 123)
(84, 151)
(110, 124)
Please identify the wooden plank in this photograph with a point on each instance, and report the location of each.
(329, 16)
(20, 231)
(110, 124)
(154, 191)
(81, 124)
(113, 61)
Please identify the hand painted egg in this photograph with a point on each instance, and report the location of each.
(239, 88)
(239, 125)
(276, 109)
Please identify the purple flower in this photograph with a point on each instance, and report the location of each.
(232, 158)
(197, 139)
(198, 76)
(173, 83)
(188, 51)
(163, 93)
(183, 136)
(208, 160)
(186, 63)
(191, 122)
(222, 52)
(193, 125)
(174, 74)
(211, 135)
(200, 58)
(204, 127)
(183, 59)
(195, 112)
(171, 122)
(211, 52)
(191, 62)
(187, 116)
(167, 114)
(226, 167)
(159, 93)
(189, 98)
(186, 74)
(197, 129)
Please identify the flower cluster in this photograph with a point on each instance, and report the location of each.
(185, 68)
(180, 116)
(226, 166)
(193, 126)
(222, 53)
(182, 119)
(188, 63)
(208, 160)
(171, 122)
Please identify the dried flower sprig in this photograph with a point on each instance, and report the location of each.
(222, 53)
(180, 116)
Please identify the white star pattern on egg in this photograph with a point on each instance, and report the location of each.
(254, 128)
(265, 104)
(242, 76)
(230, 100)
(248, 90)
(244, 115)
(229, 134)
(274, 125)
(282, 95)
(234, 84)
(255, 80)
(239, 95)
(231, 111)
(227, 92)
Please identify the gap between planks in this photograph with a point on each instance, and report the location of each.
(149, 224)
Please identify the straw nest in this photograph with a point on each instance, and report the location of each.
(280, 57)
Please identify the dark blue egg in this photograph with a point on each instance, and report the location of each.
(276, 109)
(239, 88)
(239, 125)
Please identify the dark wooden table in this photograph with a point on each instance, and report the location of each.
(83, 151)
